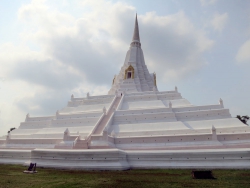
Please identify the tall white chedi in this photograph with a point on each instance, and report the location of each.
(135, 126)
(134, 75)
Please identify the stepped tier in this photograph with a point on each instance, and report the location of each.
(141, 120)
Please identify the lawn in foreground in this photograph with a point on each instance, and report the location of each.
(13, 176)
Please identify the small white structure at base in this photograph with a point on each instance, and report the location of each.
(134, 126)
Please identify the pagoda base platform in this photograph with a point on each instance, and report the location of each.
(115, 159)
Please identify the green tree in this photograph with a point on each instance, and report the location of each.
(243, 119)
(11, 129)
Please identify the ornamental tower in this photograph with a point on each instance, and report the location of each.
(144, 128)
(134, 75)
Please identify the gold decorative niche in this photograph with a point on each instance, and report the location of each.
(129, 72)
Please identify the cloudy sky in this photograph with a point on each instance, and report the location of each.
(51, 49)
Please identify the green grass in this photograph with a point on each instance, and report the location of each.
(13, 176)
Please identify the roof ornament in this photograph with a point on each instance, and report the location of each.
(57, 113)
(113, 133)
(66, 131)
(221, 103)
(154, 75)
(8, 137)
(104, 110)
(66, 134)
(72, 96)
(27, 117)
(113, 80)
(214, 135)
(176, 89)
(170, 105)
(88, 95)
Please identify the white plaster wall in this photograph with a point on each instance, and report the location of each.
(60, 130)
(148, 97)
(101, 159)
(181, 142)
(147, 103)
(35, 124)
(113, 159)
(161, 132)
(218, 123)
(169, 96)
(203, 115)
(44, 118)
(142, 111)
(142, 105)
(149, 127)
(179, 103)
(144, 118)
(33, 142)
(242, 128)
(23, 131)
(14, 156)
(84, 108)
(230, 125)
(197, 108)
(79, 115)
(79, 122)
(194, 159)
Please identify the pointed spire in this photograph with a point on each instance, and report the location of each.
(136, 36)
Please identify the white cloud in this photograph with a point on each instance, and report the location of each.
(207, 2)
(243, 54)
(173, 46)
(78, 55)
(219, 21)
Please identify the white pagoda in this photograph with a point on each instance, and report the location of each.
(134, 126)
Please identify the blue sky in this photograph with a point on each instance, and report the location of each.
(51, 49)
